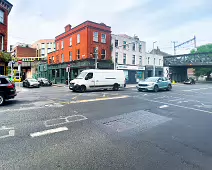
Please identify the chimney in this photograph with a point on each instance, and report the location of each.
(67, 28)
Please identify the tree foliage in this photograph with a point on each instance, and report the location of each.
(5, 57)
(201, 70)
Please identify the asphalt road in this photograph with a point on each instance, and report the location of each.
(54, 128)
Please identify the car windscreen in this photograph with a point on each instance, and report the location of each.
(81, 75)
(32, 80)
(151, 79)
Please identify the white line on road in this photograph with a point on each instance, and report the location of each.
(163, 106)
(49, 131)
(179, 106)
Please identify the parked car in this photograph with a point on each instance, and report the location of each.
(44, 82)
(7, 89)
(31, 83)
(189, 81)
(97, 80)
(154, 84)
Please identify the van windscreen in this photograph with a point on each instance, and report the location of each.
(81, 75)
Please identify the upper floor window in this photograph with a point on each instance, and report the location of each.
(124, 58)
(116, 43)
(159, 61)
(78, 54)
(140, 60)
(62, 44)
(43, 45)
(95, 36)
(148, 59)
(116, 59)
(78, 38)
(140, 48)
(133, 59)
(70, 41)
(49, 50)
(103, 55)
(49, 45)
(62, 58)
(2, 16)
(43, 51)
(70, 55)
(103, 39)
(133, 47)
(124, 45)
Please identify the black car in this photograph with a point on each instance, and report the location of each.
(189, 81)
(7, 89)
(44, 82)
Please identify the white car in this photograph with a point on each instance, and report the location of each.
(95, 79)
(31, 83)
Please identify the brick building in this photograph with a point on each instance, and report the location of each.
(78, 47)
(5, 8)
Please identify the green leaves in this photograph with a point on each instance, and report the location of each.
(5, 57)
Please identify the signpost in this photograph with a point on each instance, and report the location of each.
(68, 71)
(19, 72)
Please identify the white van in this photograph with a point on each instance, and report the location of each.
(95, 79)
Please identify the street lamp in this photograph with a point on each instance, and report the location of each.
(154, 58)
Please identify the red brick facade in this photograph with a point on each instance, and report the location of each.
(85, 48)
(24, 52)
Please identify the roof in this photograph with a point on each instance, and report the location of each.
(159, 52)
(7, 5)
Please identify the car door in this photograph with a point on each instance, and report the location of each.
(165, 82)
(90, 82)
(160, 83)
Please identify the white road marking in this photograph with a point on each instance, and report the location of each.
(163, 106)
(10, 133)
(49, 131)
(179, 106)
(66, 120)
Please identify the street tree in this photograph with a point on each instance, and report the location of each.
(5, 57)
(201, 70)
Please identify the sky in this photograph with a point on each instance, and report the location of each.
(163, 21)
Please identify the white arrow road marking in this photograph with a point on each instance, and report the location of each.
(49, 131)
(10, 133)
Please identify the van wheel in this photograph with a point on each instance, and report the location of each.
(2, 99)
(115, 87)
(82, 89)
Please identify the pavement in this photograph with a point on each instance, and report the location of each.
(54, 128)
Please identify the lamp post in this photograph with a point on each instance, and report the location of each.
(154, 58)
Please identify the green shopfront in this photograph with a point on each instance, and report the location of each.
(57, 72)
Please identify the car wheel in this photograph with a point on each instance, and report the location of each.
(169, 88)
(115, 87)
(156, 88)
(2, 99)
(82, 89)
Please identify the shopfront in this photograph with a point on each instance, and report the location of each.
(133, 74)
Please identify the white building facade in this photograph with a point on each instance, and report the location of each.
(129, 54)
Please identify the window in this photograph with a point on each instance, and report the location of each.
(1, 42)
(62, 44)
(57, 73)
(49, 45)
(103, 55)
(116, 59)
(140, 48)
(57, 46)
(42, 45)
(159, 61)
(133, 59)
(124, 45)
(63, 72)
(70, 41)
(43, 51)
(89, 76)
(70, 55)
(95, 36)
(116, 43)
(140, 60)
(49, 50)
(54, 45)
(78, 38)
(2, 16)
(78, 54)
(133, 47)
(148, 59)
(103, 40)
(62, 58)
(124, 58)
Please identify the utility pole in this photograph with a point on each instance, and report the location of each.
(154, 58)
(174, 42)
(96, 57)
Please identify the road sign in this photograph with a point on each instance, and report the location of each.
(69, 65)
(67, 69)
(19, 62)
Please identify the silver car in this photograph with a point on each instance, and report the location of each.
(154, 84)
(31, 83)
